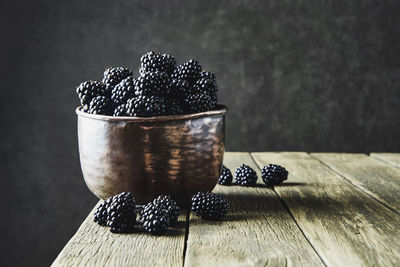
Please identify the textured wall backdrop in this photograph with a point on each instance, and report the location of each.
(296, 75)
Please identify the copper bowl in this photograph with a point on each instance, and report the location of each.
(175, 155)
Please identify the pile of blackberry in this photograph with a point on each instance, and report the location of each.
(162, 88)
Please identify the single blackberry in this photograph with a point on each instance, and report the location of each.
(206, 86)
(123, 91)
(100, 215)
(174, 107)
(188, 71)
(226, 176)
(180, 89)
(169, 206)
(146, 106)
(274, 174)
(121, 215)
(153, 83)
(120, 111)
(153, 61)
(199, 103)
(209, 206)
(245, 175)
(88, 90)
(101, 105)
(154, 219)
(113, 76)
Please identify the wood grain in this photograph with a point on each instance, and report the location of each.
(257, 232)
(94, 245)
(346, 226)
(378, 179)
(390, 158)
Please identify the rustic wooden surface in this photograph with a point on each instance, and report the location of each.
(334, 210)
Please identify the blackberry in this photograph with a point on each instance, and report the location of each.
(199, 103)
(188, 71)
(154, 219)
(101, 105)
(174, 107)
(113, 76)
(88, 90)
(123, 91)
(245, 175)
(153, 83)
(209, 206)
(100, 215)
(206, 86)
(209, 75)
(180, 89)
(146, 106)
(153, 61)
(226, 176)
(274, 174)
(120, 110)
(121, 215)
(169, 206)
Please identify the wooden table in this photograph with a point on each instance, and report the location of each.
(335, 210)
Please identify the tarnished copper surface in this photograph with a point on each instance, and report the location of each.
(176, 155)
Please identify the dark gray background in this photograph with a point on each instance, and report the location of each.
(296, 75)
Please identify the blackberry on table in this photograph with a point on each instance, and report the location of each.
(113, 76)
(88, 90)
(146, 106)
(121, 215)
(245, 175)
(169, 206)
(154, 219)
(152, 61)
(274, 174)
(100, 215)
(153, 83)
(120, 111)
(188, 71)
(101, 105)
(199, 103)
(209, 206)
(123, 90)
(225, 177)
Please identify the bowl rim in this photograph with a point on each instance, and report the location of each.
(221, 110)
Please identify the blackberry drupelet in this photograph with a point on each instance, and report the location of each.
(153, 61)
(121, 213)
(146, 106)
(120, 111)
(101, 105)
(123, 91)
(113, 76)
(100, 215)
(245, 175)
(188, 71)
(199, 103)
(88, 90)
(169, 206)
(209, 75)
(274, 174)
(153, 83)
(154, 219)
(180, 89)
(226, 176)
(206, 86)
(209, 206)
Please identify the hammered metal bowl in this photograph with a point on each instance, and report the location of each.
(175, 155)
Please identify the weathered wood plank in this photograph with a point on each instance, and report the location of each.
(346, 226)
(378, 179)
(257, 232)
(94, 245)
(390, 158)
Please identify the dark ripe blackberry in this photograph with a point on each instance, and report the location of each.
(120, 111)
(169, 206)
(274, 174)
(100, 215)
(123, 91)
(88, 90)
(85, 108)
(121, 215)
(152, 61)
(226, 176)
(113, 76)
(245, 175)
(209, 206)
(174, 107)
(154, 219)
(153, 83)
(209, 75)
(206, 86)
(101, 105)
(199, 103)
(146, 106)
(180, 89)
(188, 71)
